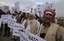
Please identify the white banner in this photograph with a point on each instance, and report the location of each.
(15, 25)
(41, 7)
(17, 6)
(5, 18)
(29, 37)
(23, 36)
(34, 37)
(5, 8)
(16, 28)
(11, 22)
(16, 32)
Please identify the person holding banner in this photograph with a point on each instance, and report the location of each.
(1, 27)
(14, 16)
(31, 25)
(6, 28)
(19, 17)
(8, 12)
(23, 17)
(26, 18)
(49, 30)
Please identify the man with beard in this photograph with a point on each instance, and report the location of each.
(48, 29)
(31, 24)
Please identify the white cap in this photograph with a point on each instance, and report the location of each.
(49, 13)
(32, 14)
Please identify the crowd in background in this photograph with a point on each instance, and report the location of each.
(45, 26)
(19, 16)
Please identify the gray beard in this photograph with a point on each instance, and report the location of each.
(46, 25)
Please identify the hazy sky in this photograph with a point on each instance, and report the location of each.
(59, 6)
(27, 2)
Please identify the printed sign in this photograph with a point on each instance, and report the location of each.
(5, 18)
(29, 37)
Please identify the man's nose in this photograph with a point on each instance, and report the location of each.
(48, 15)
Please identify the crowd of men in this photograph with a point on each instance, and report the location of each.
(45, 26)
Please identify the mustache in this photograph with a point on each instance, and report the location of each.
(47, 18)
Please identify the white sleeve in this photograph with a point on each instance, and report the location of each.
(38, 25)
(24, 22)
(27, 30)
